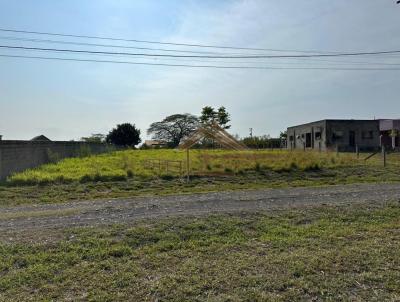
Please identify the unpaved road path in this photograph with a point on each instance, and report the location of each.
(104, 212)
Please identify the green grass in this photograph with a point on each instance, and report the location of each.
(131, 164)
(326, 253)
(123, 174)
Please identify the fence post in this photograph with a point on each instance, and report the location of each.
(357, 152)
(1, 158)
(187, 166)
(384, 155)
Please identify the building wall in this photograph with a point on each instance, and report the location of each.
(366, 134)
(316, 131)
(329, 134)
(390, 133)
(16, 156)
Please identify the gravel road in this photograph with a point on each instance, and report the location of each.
(104, 212)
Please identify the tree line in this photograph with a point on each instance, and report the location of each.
(175, 128)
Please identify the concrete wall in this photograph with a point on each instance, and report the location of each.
(386, 125)
(316, 132)
(329, 134)
(361, 130)
(16, 156)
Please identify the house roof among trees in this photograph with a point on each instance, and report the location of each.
(40, 138)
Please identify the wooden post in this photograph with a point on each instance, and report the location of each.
(393, 141)
(384, 155)
(357, 152)
(319, 147)
(187, 166)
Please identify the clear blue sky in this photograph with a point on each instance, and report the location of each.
(68, 100)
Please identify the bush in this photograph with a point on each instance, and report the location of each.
(129, 173)
(124, 135)
(167, 177)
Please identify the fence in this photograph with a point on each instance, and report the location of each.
(16, 156)
(167, 166)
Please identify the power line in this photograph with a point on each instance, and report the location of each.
(154, 42)
(105, 45)
(201, 66)
(204, 56)
(309, 62)
(182, 51)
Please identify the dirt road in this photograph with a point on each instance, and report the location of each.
(104, 212)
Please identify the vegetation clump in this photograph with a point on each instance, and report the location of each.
(122, 165)
(316, 254)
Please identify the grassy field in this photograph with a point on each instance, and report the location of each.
(132, 163)
(124, 173)
(326, 253)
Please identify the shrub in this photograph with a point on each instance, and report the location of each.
(167, 177)
(312, 167)
(228, 170)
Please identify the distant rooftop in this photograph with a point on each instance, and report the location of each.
(335, 120)
(40, 138)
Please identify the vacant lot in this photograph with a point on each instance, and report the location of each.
(127, 173)
(134, 164)
(342, 243)
(320, 253)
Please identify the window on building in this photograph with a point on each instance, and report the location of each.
(367, 134)
(308, 140)
(291, 138)
(337, 135)
(317, 135)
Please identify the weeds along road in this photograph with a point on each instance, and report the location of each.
(105, 212)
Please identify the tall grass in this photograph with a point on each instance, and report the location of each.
(121, 165)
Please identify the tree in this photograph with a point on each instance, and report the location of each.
(283, 135)
(264, 141)
(174, 128)
(208, 115)
(124, 135)
(220, 116)
(223, 117)
(94, 138)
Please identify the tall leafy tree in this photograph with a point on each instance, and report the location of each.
(124, 135)
(94, 138)
(208, 115)
(220, 116)
(283, 134)
(174, 128)
(223, 117)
